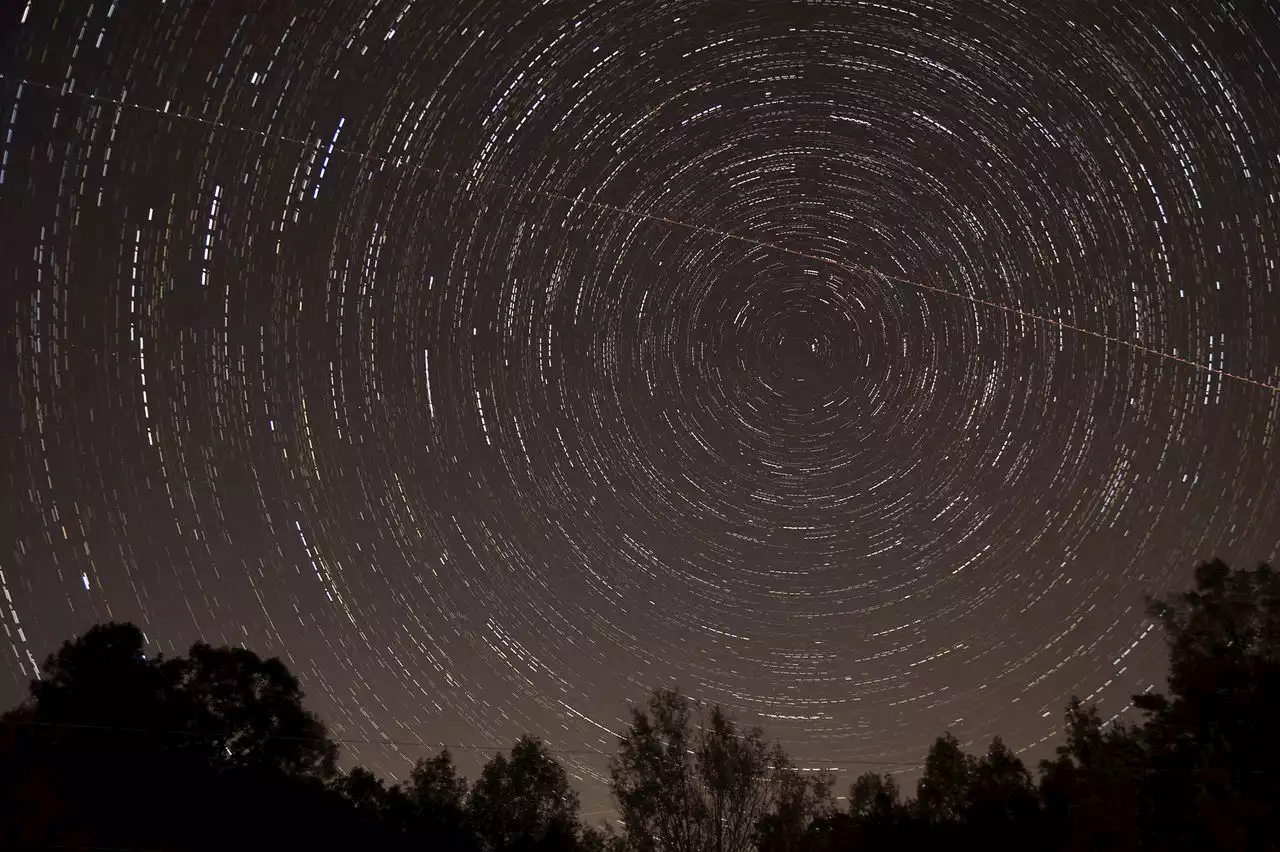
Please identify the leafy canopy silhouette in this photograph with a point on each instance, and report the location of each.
(114, 748)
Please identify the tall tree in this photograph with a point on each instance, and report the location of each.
(439, 794)
(687, 782)
(107, 727)
(1211, 742)
(102, 678)
(944, 789)
(85, 741)
(381, 815)
(876, 818)
(804, 802)
(436, 785)
(248, 712)
(1003, 804)
(874, 797)
(1091, 791)
(654, 779)
(524, 802)
(1001, 791)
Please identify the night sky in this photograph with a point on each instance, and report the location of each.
(857, 365)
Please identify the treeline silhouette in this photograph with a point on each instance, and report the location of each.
(117, 750)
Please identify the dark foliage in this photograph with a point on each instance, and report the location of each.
(118, 749)
(523, 802)
(215, 750)
(1198, 771)
(687, 779)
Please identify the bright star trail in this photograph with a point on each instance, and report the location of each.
(856, 365)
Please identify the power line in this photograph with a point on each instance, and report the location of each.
(640, 214)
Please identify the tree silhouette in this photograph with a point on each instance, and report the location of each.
(436, 786)
(107, 728)
(103, 677)
(1197, 772)
(523, 802)
(72, 742)
(1091, 790)
(439, 795)
(602, 838)
(247, 712)
(1002, 799)
(874, 798)
(216, 750)
(700, 784)
(1214, 739)
(383, 816)
(876, 818)
(945, 787)
(1002, 788)
(797, 821)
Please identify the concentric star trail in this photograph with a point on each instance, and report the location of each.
(856, 365)
(626, 211)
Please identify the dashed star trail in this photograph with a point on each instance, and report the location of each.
(856, 365)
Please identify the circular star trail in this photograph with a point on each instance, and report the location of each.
(855, 365)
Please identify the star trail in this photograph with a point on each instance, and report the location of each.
(856, 365)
